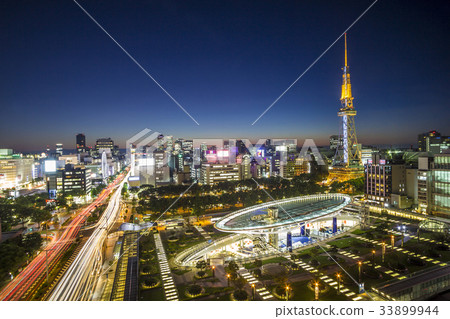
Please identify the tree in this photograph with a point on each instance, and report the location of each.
(6, 215)
(282, 278)
(239, 283)
(22, 212)
(40, 215)
(257, 272)
(258, 263)
(32, 242)
(232, 266)
(201, 264)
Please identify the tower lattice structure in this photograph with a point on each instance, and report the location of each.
(348, 153)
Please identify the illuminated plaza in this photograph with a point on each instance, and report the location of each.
(277, 226)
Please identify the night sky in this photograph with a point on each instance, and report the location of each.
(225, 62)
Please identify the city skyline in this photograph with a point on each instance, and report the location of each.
(226, 151)
(225, 64)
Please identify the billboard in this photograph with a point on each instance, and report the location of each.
(50, 166)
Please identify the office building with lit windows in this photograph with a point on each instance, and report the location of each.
(295, 167)
(81, 143)
(440, 175)
(162, 171)
(433, 181)
(59, 149)
(433, 142)
(76, 177)
(215, 173)
(15, 170)
(385, 182)
(104, 143)
(67, 179)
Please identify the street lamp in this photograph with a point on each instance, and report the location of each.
(253, 291)
(403, 234)
(12, 277)
(228, 279)
(392, 241)
(359, 269)
(338, 275)
(373, 257)
(316, 290)
(287, 293)
(213, 270)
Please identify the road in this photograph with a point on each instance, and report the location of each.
(35, 272)
(79, 281)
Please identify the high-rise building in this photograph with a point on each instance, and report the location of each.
(433, 142)
(347, 161)
(440, 185)
(295, 167)
(104, 143)
(15, 169)
(161, 142)
(177, 145)
(385, 182)
(70, 159)
(215, 173)
(433, 183)
(245, 163)
(162, 171)
(59, 149)
(423, 179)
(169, 147)
(76, 177)
(69, 178)
(81, 143)
(187, 146)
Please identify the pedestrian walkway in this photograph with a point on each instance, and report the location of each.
(421, 238)
(170, 290)
(378, 267)
(327, 280)
(203, 233)
(348, 254)
(391, 220)
(405, 251)
(259, 288)
(411, 235)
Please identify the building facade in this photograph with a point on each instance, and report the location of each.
(104, 143)
(440, 185)
(385, 183)
(215, 173)
(433, 183)
(433, 142)
(67, 179)
(15, 170)
(81, 143)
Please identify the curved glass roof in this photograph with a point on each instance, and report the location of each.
(290, 211)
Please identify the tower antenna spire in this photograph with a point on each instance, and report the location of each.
(346, 49)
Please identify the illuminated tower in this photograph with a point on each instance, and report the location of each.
(348, 153)
(105, 171)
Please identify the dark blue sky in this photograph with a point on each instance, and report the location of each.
(225, 62)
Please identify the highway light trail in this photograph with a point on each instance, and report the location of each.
(34, 274)
(79, 281)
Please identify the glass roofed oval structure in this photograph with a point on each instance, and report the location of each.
(283, 214)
